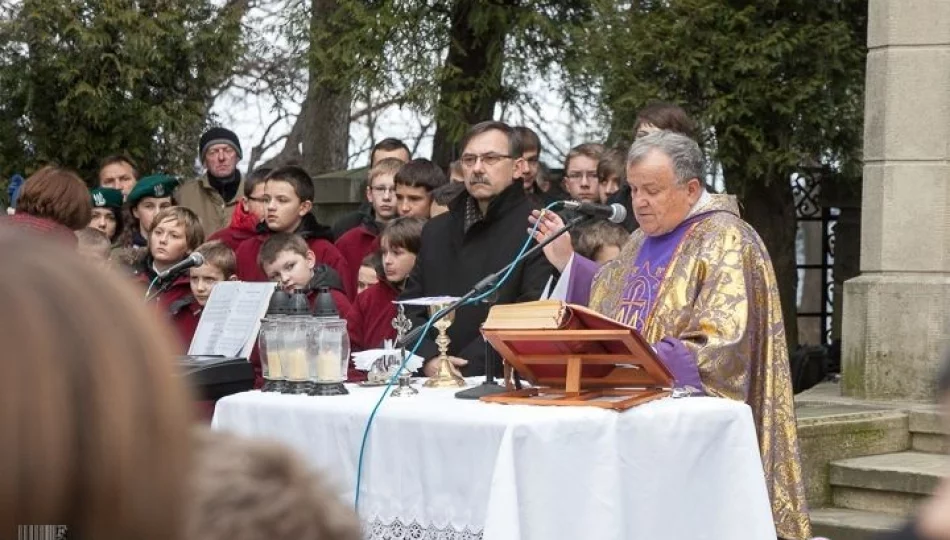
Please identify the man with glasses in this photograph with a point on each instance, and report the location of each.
(214, 196)
(358, 242)
(483, 230)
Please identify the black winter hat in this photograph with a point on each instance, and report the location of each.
(219, 135)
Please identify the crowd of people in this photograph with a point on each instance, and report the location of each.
(94, 269)
(262, 226)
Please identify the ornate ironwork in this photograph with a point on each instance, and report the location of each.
(806, 188)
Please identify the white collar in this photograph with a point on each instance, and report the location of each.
(703, 199)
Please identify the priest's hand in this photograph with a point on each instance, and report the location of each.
(558, 252)
(431, 367)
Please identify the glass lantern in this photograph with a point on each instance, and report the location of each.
(328, 356)
(294, 352)
(269, 345)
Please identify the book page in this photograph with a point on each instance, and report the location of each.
(231, 319)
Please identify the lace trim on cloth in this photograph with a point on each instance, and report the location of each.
(397, 530)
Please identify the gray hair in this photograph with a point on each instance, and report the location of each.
(684, 152)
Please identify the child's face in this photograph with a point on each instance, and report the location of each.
(608, 186)
(103, 219)
(203, 278)
(147, 208)
(257, 203)
(291, 270)
(606, 254)
(168, 243)
(366, 278)
(413, 201)
(284, 207)
(382, 196)
(397, 261)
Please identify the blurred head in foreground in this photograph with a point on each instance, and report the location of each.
(95, 417)
(242, 489)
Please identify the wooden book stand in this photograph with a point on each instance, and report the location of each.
(611, 367)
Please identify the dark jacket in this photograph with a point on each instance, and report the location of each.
(622, 196)
(454, 258)
(319, 239)
(352, 219)
(359, 242)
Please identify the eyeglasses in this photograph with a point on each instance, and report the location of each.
(577, 175)
(382, 190)
(489, 159)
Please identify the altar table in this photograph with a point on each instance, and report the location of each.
(443, 468)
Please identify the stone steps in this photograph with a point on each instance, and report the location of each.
(867, 464)
(888, 483)
(843, 524)
(929, 432)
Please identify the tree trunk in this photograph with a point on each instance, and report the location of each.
(319, 140)
(770, 208)
(471, 82)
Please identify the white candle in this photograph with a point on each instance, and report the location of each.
(296, 360)
(328, 367)
(273, 366)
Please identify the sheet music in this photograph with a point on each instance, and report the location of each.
(231, 319)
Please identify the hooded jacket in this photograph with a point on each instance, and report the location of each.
(319, 239)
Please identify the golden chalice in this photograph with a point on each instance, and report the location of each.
(448, 375)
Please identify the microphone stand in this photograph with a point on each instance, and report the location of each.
(490, 386)
(165, 284)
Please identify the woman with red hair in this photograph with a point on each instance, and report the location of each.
(53, 201)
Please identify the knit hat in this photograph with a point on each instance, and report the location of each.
(103, 197)
(219, 135)
(158, 186)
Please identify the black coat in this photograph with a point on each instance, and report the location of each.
(451, 261)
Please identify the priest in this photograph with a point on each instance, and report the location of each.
(696, 281)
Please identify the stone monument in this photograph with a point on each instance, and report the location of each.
(896, 318)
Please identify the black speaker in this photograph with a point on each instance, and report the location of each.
(215, 377)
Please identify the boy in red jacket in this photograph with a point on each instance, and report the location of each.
(289, 194)
(360, 241)
(185, 313)
(371, 320)
(220, 265)
(248, 217)
(175, 233)
(415, 183)
(287, 259)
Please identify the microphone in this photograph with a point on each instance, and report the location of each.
(614, 213)
(195, 259)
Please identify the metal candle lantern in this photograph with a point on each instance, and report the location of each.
(328, 348)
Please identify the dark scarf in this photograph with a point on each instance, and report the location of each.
(226, 187)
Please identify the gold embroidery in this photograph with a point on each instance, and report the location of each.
(721, 299)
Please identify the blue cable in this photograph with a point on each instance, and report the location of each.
(150, 285)
(425, 331)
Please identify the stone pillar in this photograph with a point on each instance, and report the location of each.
(897, 313)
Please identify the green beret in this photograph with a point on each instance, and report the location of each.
(103, 197)
(158, 186)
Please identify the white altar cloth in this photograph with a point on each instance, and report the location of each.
(439, 467)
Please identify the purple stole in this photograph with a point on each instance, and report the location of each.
(643, 283)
